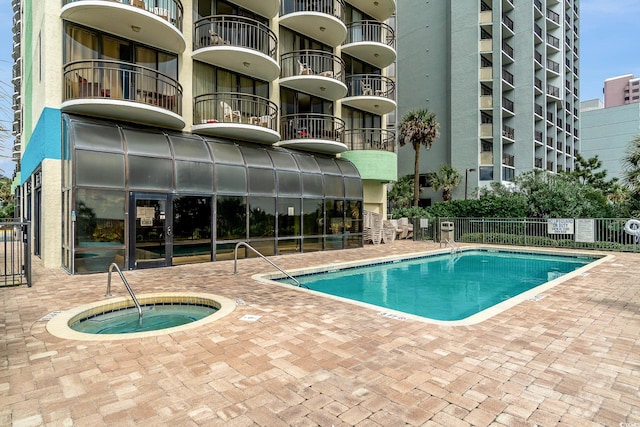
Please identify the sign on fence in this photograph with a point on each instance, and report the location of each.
(585, 230)
(560, 226)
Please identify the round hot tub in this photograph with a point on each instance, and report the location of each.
(118, 318)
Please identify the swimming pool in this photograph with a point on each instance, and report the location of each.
(442, 286)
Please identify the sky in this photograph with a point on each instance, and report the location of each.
(609, 38)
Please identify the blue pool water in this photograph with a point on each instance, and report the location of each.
(154, 317)
(444, 287)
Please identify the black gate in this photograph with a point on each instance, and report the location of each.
(15, 263)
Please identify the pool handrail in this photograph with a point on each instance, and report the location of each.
(245, 244)
(126, 285)
(454, 246)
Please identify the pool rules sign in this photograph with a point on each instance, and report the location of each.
(581, 228)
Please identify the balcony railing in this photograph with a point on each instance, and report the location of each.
(553, 41)
(508, 132)
(235, 107)
(553, 16)
(550, 141)
(537, 30)
(330, 7)
(537, 108)
(507, 22)
(507, 104)
(537, 136)
(538, 5)
(537, 83)
(312, 62)
(507, 159)
(507, 77)
(553, 66)
(221, 30)
(371, 31)
(553, 91)
(314, 126)
(370, 139)
(117, 80)
(537, 162)
(370, 85)
(549, 165)
(506, 48)
(171, 10)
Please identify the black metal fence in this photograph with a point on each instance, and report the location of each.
(574, 233)
(15, 264)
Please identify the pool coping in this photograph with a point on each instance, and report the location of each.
(532, 294)
(59, 325)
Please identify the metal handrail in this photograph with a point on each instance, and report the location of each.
(126, 284)
(246, 245)
(454, 246)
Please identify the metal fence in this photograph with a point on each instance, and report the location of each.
(577, 233)
(15, 264)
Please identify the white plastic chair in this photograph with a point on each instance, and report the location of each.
(304, 68)
(229, 113)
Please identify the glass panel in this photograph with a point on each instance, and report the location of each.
(100, 169)
(333, 186)
(353, 241)
(312, 217)
(203, 79)
(312, 244)
(335, 216)
(262, 181)
(147, 173)
(353, 217)
(485, 173)
(256, 157)
(312, 185)
(289, 217)
(265, 247)
(97, 260)
(168, 64)
(328, 166)
(307, 163)
(283, 161)
(262, 216)
(154, 144)
(231, 218)
(194, 176)
(189, 148)
(288, 246)
(151, 216)
(353, 188)
(231, 179)
(191, 230)
(80, 44)
(226, 153)
(289, 183)
(347, 168)
(96, 137)
(99, 218)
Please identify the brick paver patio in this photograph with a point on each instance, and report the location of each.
(571, 358)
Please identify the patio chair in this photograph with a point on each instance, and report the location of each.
(229, 113)
(217, 40)
(365, 88)
(404, 223)
(304, 68)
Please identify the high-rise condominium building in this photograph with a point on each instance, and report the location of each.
(161, 132)
(621, 90)
(502, 78)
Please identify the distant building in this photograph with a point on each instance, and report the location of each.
(503, 80)
(607, 132)
(621, 90)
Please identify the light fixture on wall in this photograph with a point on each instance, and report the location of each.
(135, 28)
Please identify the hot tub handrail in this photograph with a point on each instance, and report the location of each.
(245, 244)
(126, 285)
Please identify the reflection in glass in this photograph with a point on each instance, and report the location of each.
(312, 217)
(191, 230)
(99, 218)
(262, 219)
(231, 218)
(288, 217)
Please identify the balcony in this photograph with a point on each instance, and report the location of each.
(486, 45)
(550, 141)
(537, 109)
(486, 130)
(486, 17)
(553, 42)
(321, 133)
(155, 23)
(553, 91)
(372, 42)
(486, 157)
(380, 10)
(236, 115)
(537, 56)
(237, 43)
(507, 25)
(507, 80)
(507, 106)
(266, 8)
(553, 19)
(371, 92)
(322, 20)
(509, 133)
(486, 101)
(486, 74)
(537, 162)
(550, 166)
(537, 30)
(122, 91)
(370, 139)
(507, 159)
(507, 52)
(314, 72)
(537, 137)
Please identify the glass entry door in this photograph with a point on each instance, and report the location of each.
(151, 231)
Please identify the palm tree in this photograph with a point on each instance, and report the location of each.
(446, 179)
(632, 166)
(419, 128)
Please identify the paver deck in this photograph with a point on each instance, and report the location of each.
(571, 358)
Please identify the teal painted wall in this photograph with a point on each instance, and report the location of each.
(607, 133)
(44, 142)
